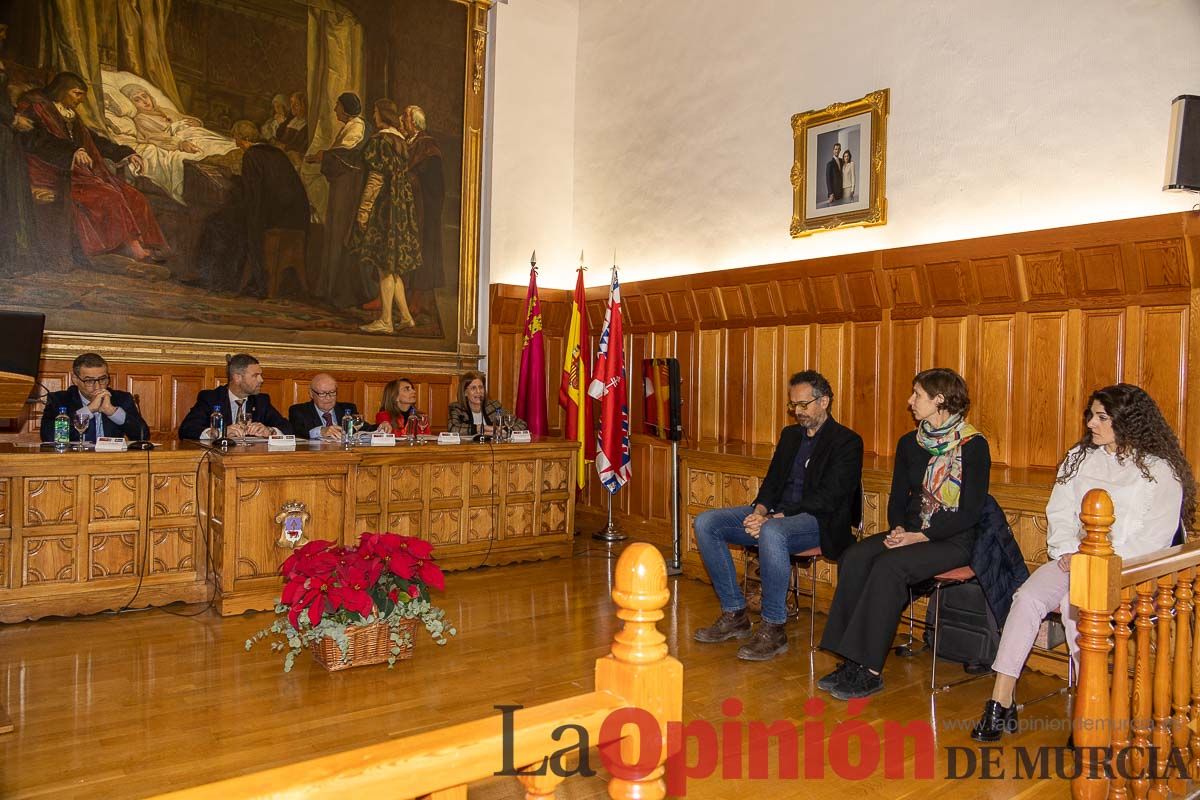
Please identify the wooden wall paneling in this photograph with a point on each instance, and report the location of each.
(903, 363)
(1101, 271)
(768, 385)
(685, 351)
(865, 384)
(994, 281)
(831, 361)
(637, 347)
(794, 296)
(733, 304)
(949, 345)
(992, 390)
(1044, 393)
(1163, 360)
(184, 390)
(709, 382)
(1103, 346)
(902, 285)
(946, 285)
(737, 388)
(147, 390)
(1162, 265)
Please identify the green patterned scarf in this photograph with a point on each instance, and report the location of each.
(943, 476)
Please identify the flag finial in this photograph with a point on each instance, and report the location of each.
(581, 266)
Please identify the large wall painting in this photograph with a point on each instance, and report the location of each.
(301, 174)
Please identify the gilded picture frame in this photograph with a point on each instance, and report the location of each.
(291, 326)
(832, 186)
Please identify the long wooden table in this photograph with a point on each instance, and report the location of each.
(83, 532)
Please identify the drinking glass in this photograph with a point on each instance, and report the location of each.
(243, 419)
(352, 423)
(81, 421)
(422, 421)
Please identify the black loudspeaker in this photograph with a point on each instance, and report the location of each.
(21, 342)
(1183, 150)
(663, 410)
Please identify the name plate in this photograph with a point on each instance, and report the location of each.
(111, 444)
(383, 440)
(446, 437)
(281, 441)
(521, 437)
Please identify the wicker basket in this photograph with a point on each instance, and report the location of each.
(368, 644)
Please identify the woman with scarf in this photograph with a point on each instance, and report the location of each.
(1130, 451)
(939, 485)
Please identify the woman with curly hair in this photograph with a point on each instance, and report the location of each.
(1131, 452)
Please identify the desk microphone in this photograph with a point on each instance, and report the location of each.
(144, 443)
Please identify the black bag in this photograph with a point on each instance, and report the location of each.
(968, 632)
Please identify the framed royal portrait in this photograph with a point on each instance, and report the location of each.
(838, 175)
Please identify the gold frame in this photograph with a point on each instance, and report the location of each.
(168, 349)
(877, 103)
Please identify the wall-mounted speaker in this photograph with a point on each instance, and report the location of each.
(1183, 150)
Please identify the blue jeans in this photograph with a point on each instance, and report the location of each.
(778, 538)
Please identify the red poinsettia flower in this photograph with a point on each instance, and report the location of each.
(314, 558)
(431, 575)
(403, 565)
(418, 548)
(394, 595)
(413, 590)
(309, 596)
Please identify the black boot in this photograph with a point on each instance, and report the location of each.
(769, 640)
(995, 722)
(730, 625)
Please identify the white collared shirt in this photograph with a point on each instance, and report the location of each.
(1146, 511)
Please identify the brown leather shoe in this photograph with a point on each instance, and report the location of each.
(730, 625)
(769, 641)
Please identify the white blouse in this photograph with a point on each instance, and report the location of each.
(1147, 512)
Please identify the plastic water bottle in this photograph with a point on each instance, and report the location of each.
(62, 429)
(216, 421)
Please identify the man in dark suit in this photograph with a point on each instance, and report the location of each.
(240, 393)
(810, 497)
(833, 175)
(112, 412)
(321, 418)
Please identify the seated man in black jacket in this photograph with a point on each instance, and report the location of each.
(804, 501)
(112, 412)
(321, 418)
(240, 394)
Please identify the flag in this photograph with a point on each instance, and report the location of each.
(572, 389)
(531, 380)
(609, 387)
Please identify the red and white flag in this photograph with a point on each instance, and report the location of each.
(609, 387)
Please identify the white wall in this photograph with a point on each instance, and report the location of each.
(1005, 117)
(529, 191)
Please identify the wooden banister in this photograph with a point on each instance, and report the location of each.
(1141, 732)
(637, 673)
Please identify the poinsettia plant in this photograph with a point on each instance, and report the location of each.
(329, 588)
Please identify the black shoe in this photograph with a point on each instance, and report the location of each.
(769, 640)
(730, 625)
(859, 682)
(995, 722)
(831, 680)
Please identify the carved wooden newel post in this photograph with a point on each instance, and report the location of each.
(639, 670)
(1095, 591)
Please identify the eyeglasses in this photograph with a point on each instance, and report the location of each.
(101, 381)
(801, 404)
(324, 395)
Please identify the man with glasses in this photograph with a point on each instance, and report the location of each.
(111, 412)
(321, 418)
(238, 399)
(806, 500)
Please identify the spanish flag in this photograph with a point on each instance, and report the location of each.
(576, 375)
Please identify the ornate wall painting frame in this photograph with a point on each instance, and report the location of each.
(146, 334)
(821, 169)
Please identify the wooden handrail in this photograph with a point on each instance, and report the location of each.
(1130, 729)
(638, 673)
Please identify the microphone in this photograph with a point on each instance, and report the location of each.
(143, 443)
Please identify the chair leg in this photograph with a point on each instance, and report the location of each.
(937, 626)
(794, 588)
(812, 607)
(910, 648)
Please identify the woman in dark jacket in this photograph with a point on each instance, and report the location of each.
(473, 413)
(939, 486)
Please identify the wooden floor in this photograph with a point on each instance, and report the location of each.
(135, 704)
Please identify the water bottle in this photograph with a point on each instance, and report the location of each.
(216, 421)
(62, 429)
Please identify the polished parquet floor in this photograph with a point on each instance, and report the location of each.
(130, 705)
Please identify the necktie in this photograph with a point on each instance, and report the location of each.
(237, 412)
(328, 420)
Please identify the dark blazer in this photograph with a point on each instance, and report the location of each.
(134, 427)
(261, 410)
(997, 560)
(463, 423)
(303, 416)
(832, 482)
(833, 178)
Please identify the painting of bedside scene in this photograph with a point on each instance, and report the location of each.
(281, 171)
